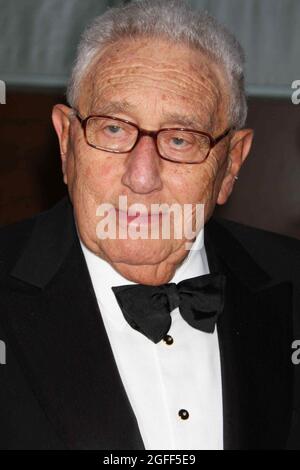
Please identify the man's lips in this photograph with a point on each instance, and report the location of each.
(142, 218)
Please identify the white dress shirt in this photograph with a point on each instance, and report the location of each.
(163, 379)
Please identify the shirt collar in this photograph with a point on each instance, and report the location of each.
(104, 277)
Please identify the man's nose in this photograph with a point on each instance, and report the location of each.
(142, 173)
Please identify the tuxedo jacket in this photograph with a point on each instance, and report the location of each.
(60, 387)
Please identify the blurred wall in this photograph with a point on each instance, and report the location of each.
(39, 38)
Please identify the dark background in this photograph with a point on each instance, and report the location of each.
(267, 194)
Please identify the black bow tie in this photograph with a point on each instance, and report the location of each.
(147, 308)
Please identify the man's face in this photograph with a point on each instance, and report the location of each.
(155, 85)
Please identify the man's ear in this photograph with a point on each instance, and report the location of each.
(61, 123)
(239, 149)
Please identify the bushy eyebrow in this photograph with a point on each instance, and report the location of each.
(183, 120)
(113, 107)
(176, 118)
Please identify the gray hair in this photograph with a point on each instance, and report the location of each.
(176, 21)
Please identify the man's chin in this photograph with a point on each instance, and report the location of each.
(138, 252)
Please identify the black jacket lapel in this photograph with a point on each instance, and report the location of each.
(62, 343)
(255, 336)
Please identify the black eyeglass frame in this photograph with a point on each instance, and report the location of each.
(143, 132)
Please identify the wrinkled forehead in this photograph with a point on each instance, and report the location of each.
(146, 74)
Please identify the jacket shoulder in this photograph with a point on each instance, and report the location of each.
(14, 237)
(278, 253)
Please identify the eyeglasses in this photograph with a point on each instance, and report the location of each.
(118, 136)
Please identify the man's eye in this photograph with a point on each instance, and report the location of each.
(113, 129)
(178, 142)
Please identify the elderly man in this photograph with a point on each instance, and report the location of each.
(117, 336)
